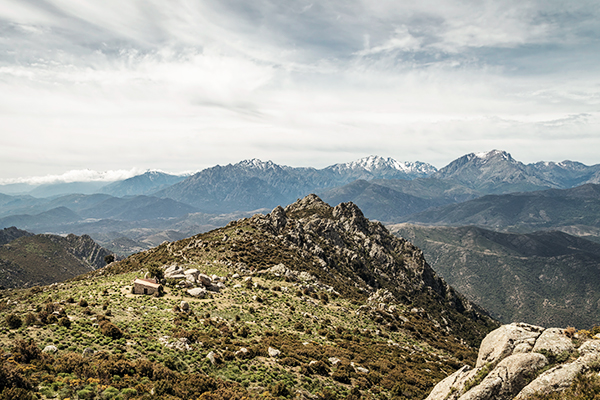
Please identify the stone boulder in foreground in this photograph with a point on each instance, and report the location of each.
(517, 361)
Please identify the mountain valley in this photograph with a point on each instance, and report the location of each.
(544, 278)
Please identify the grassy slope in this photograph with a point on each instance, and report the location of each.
(35, 260)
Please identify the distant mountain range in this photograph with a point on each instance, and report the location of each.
(545, 278)
(155, 203)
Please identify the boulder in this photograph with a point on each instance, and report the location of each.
(204, 280)
(198, 292)
(452, 386)
(508, 378)
(503, 342)
(590, 347)
(212, 357)
(184, 306)
(88, 352)
(192, 271)
(554, 341)
(334, 361)
(174, 271)
(273, 352)
(50, 349)
(555, 379)
(516, 353)
(242, 352)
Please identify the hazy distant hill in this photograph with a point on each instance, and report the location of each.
(46, 219)
(45, 259)
(59, 189)
(572, 210)
(144, 184)
(137, 208)
(388, 200)
(544, 278)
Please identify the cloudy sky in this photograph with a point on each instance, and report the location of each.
(180, 85)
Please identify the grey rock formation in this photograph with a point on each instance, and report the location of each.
(506, 340)
(508, 378)
(274, 352)
(198, 292)
(509, 362)
(554, 341)
(50, 349)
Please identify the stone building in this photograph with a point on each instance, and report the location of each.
(146, 286)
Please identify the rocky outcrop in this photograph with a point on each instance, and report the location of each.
(511, 361)
(351, 254)
(197, 283)
(84, 248)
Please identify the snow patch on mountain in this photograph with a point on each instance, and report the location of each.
(376, 163)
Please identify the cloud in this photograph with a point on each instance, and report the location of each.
(187, 84)
(76, 176)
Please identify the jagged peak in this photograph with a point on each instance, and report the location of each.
(255, 163)
(312, 201)
(348, 210)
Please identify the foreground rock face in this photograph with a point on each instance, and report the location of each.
(511, 361)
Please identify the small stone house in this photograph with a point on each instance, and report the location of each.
(146, 286)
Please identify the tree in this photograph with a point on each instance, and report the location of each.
(109, 258)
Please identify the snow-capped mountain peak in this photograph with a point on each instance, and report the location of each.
(375, 163)
(256, 164)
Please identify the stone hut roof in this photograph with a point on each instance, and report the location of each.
(147, 282)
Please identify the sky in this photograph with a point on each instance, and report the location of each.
(101, 89)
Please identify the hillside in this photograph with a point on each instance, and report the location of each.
(45, 259)
(310, 302)
(145, 184)
(575, 210)
(7, 235)
(543, 278)
(391, 199)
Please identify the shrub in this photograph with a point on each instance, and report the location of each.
(65, 321)
(26, 351)
(279, 389)
(110, 393)
(156, 272)
(128, 393)
(83, 303)
(570, 332)
(30, 319)
(111, 330)
(86, 394)
(16, 394)
(13, 321)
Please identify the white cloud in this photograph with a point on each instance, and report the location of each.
(188, 84)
